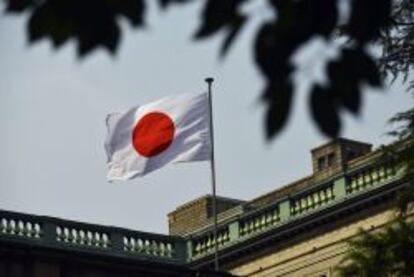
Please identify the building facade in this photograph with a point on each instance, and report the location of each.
(300, 229)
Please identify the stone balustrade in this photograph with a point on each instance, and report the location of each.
(312, 200)
(82, 237)
(56, 233)
(370, 176)
(206, 243)
(150, 247)
(10, 225)
(260, 221)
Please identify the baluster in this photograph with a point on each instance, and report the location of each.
(310, 202)
(226, 236)
(59, 233)
(132, 244)
(367, 178)
(97, 239)
(256, 224)
(374, 176)
(29, 228)
(329, 194)
(302, 205)
(316, 198)
(73, 236)
(37, 230)
(269, 218)
(162, 249)
(203, 246)
(354, 183)
(140, 246)
(105, 240)
(19, 228)
(360, 181)
(126, 243)
(89, 238)
(154, 248)
(147, 247)
(263, 221)
(66, 234)
(381, 173)
(12, 227)
(251, 226)
(81, 237)
(322, 196)
(3, 225)
(198, 248)
(219, 239)
(297, 206)
(209, 243)
(170, 250)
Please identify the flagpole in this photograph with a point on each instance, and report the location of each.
(209, 82)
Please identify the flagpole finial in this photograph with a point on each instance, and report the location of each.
(209, 80)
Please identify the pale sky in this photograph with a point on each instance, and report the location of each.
(53, 106)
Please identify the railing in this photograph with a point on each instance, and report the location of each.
(142, 245)
(286, 210)
(206, 243)
(370, 176)
(82, 237)
(260, 221)
(20, 227)
(312, 200)
(64, 234)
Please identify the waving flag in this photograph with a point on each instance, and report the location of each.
(145, 138)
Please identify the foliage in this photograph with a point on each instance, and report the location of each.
(404, 132)
(396, 41)
(94, 23)
(390, 252)
(385, 253)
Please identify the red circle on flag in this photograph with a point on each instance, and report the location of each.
(153, 134)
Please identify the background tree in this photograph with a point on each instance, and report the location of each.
(94, 23)
(389, 252)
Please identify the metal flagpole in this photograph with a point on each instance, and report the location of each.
(209, 82)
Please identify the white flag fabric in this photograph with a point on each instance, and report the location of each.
(145, 138)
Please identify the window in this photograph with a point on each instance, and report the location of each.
(331, 159)
(321, 163)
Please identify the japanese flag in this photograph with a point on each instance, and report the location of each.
(145, 138)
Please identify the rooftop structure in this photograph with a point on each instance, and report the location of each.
(349, 188)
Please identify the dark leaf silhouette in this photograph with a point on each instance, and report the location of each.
(367, 18)
(271, 55)
(346, 76)
(347, 93)
(19, 5)
(297, 22)
(94, 24)
(277, 113)
(166, 3)
(218, 14)
(221, 15)
(232, 34)
(325, 111)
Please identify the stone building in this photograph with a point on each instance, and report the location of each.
(300, 229)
